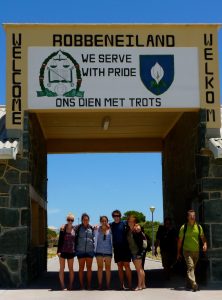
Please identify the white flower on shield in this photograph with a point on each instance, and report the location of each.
(157, 72)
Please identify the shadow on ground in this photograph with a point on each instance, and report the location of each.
(154, 279)
(50, 280)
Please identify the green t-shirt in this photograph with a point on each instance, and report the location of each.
(132, 244)
(191, 241)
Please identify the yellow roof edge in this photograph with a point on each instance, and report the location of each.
(219, 25)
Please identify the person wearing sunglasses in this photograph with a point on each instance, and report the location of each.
(122, 255)
(66, 250)
(103, 250)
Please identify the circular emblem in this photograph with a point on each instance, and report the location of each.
(60, 76)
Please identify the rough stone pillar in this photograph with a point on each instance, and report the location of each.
(20, 179)
(179, 168)
(14, 222)
(210, 195)
(192, 178)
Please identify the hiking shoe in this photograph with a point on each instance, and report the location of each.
(195, 287)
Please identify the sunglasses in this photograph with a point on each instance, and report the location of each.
(116, 216)
(104, 237)
(70, 220)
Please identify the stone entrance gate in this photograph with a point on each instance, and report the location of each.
(192, 178)
(77, 88)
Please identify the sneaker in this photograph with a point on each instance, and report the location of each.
(195, 287)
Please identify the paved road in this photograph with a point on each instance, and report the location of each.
(47, 287)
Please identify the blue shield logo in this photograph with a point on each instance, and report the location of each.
(157, 72)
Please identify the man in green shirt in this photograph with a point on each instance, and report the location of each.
(188, 241)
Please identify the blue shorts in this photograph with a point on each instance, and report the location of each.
(81, 254)
(103, 255)
(135, 257)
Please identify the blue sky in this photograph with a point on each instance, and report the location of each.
(98, 183)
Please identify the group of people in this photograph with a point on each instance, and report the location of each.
(128, 242)
(124, 238)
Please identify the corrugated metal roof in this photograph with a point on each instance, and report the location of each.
(221, 120)
(8, 150)
(8, 144)
(8, 147)
(215, 145)
(2, 111)
(3, 132)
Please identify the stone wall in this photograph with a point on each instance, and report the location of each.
(37, 154)
(183, 164)
(192, 178)
(179, 167)
(16, 177)
(211, 194)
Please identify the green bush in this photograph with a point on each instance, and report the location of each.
(139, 215)
(52, 237)
(141, 219)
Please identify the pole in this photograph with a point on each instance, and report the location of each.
(152, 236)
(152, 208)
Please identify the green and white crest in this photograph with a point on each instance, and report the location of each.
(60, 75)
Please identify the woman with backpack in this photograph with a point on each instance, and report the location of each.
(85, 249)
(137, 245)
(66, 249)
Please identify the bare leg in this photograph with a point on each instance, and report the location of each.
(81, 271)
(100, 270)
(89, 271)
(121, 274)
(108, 271)
(71, 272)
(128, 274)
(140, 274)
(61, 272)
(143, 260)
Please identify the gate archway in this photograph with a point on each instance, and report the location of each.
(180, 129)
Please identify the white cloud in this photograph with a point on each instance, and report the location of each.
(53, 211)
